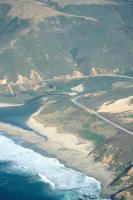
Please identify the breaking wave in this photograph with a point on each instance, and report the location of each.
(50, 170)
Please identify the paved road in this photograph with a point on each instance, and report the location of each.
(72, 78)
(91, 111)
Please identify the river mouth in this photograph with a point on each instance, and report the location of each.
(18, 115)
(58, 180)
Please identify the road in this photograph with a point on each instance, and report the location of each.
(72, 78)
(10, 85)
(91, 111)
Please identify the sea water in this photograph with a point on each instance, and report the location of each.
(27, 175)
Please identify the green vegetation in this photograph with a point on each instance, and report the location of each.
(56, 103)
(88, 135)
(50, 107)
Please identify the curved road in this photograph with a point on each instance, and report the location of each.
(72, 78)
(91, 111)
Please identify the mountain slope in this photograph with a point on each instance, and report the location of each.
(55, 40)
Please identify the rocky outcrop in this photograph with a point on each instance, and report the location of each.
(3, 81)
(22, 79)
(97, 71)
(123, 194)
(75, 74)
(124, 184)
(116, 154)
(35, 76)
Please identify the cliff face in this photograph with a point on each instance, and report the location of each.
(116, 154)
(126, 182)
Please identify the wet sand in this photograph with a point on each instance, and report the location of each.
(64, 146)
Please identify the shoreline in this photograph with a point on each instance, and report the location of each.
(75, 146)
(51, 149)
(68, 148)
(6, 105)
(68, 153)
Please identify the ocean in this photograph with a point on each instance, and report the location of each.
(28, 175)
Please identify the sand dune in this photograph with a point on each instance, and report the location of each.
(78, 88)
(121, 105)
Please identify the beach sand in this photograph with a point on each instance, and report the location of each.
(66, 147)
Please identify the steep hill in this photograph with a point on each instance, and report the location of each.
(58, 37)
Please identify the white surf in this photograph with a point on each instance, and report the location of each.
(50, 170)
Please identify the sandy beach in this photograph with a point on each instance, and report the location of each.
(68, 148)
(71, 150)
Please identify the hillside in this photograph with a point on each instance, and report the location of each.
(78, 54)
(58, 37)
